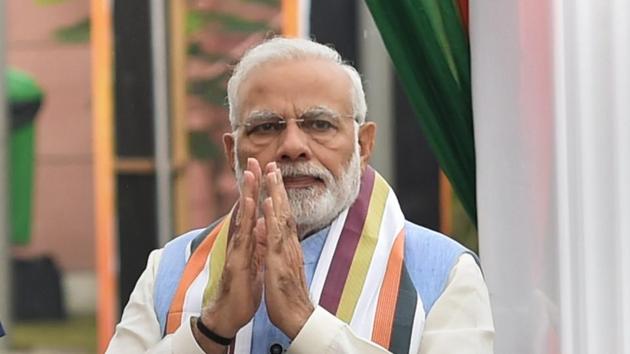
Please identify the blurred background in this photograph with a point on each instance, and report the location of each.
(110, 146)
(116, 112)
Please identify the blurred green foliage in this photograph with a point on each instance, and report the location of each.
(274, 3)
(464, 231)
(76, 33)
(202, 147)
(212, 90)
(195, 50)
(197, 20)
(49, 2)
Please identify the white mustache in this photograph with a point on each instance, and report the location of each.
(305, 169)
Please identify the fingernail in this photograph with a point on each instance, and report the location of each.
(278, 176)
(274, 177)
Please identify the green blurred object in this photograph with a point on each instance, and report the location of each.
(428, 43)
(77, 33)
(25, 99)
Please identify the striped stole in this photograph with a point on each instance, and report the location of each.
(360, 277)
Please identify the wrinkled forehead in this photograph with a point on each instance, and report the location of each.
(288, 87)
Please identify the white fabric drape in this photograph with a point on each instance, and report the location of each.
(551, 97)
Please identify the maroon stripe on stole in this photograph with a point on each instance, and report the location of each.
(348, 241)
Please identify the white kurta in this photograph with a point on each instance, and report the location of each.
(459, 322)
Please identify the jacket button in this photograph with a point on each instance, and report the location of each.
(275, 349)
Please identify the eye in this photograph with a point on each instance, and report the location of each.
(262, 128)
(319, 125)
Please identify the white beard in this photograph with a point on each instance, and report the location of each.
(315, 207)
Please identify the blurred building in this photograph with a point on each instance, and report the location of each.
(51, 42)
(62, 222)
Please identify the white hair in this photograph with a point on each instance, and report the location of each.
(280, 48)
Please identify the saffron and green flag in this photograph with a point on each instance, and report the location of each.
(428, 44)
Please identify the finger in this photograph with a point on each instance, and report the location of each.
(249, 181)
(245, 188)
(282, 192)
(271, 225)
(275, 190)
(271, 166)
(260, 234)
(254, 167)
(244, 235)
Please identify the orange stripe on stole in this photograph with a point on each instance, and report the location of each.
(386, 306)
(193, 268)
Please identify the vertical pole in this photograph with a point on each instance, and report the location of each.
(177, 85)
(161, 113)
(446, 205)
(5, 256)
(377, 70)
(291, 18)
(621, 55)
(104, 189)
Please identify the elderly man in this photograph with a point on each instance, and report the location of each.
(316, 255)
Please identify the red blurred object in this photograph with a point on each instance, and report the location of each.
(463, 9)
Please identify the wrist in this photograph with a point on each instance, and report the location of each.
(207, 345)
(218, 323)
(225, 341)
(297, 321)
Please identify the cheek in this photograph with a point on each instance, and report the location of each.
(262, 156)
(335, 160)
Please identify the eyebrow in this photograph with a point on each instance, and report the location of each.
(266, 115)
(261, 115)
(319, 109)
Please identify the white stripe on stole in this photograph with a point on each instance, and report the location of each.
(393, 221)
(194, 293)
(325, 258)
(243, 342)
(418, 328)
(188, 251)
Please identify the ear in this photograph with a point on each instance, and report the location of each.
(367, 137)
(228, 149)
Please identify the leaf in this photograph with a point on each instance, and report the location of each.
(196, 20)
(212, 90)
(273, 3)
(76, 33)
(202, 147)
(195, 50)
(49, 2)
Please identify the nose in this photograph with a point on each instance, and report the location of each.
(293, 144)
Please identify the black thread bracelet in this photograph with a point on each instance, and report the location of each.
(211, 335)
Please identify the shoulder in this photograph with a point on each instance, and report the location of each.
(186, 243)
(430, 258)
(419, 240)
(171, 265)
